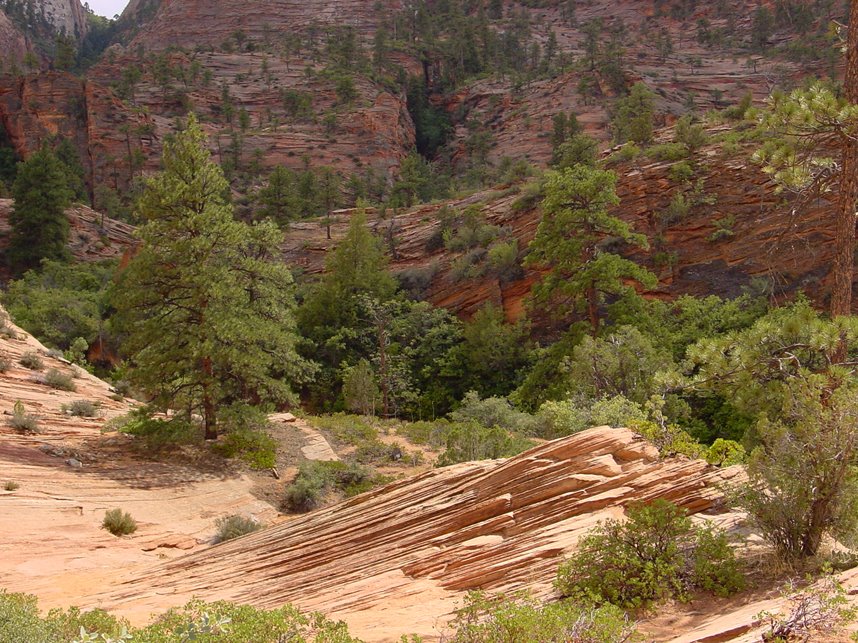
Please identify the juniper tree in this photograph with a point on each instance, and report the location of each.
(575, 219)
(206, 305)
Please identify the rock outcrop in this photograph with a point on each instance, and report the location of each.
(401, 555)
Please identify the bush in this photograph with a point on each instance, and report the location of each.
(229, 527)
(317, 477)
(10, 485)
(23, 421)
(59, 380)
(655, 554)
(504, 619)
(156, 432)
(81, 408)
(493, 411)
(5, 364)
(558, 419)
(670, 152)
(725, 453)
(32, 361)
(467, 441)
(254, 447)
(119, 523)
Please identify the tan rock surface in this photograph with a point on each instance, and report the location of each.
(414, 546)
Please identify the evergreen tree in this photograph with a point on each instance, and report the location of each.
(633, 120)
(206, 305)
(40, 228)
(575, 219)
(279, 198)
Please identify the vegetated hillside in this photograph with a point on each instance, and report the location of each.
(33, 27)
(714, 222)
(398, 558)
(324, 83)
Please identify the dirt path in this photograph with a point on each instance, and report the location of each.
(316, 447)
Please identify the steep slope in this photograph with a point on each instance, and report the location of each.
(397, 559)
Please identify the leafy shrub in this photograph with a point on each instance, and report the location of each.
(315, 478)
(467, 441)
(565, 417)
(681, 172)
(11, 485)
(23, 421)
(670, 152)
(156, 432)
(346, 429)
(5, 364)
(59, 380)
(255, 447)
(32, 361)
(229, 527)
(81, 408)
(505, 619)
(656, 553)
(725, 453)
(676, 210)
(433, 434)
(669, 439)
(493, 411)
(20, 620)
(119, 523)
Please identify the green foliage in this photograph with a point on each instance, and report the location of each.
(59, 302)
(81, 408)
(59, 380)
(520, 619)
(467, 441)
(670, 439)
(254, 446)
(39, 225)
(725, 453)
(491, 412)
(10, 485)
(5, 364)
(575, 218)
(656, 553)
(798, 125)
(229, 527)
(492, 353)
(315, 478)
(633, 117)
(206, 306)
(431, 124)
(157, 433)
(669, 152)
(622, 362)
(118, 522)
(196, 621)
(360, 390)
(556, 419)
(31, 360)
(23, 421)
(785, 371)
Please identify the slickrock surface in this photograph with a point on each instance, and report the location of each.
(51, 541)
(414, 546)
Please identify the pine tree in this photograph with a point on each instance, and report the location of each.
(575, 219)
(279, 198)
(40, 228)
(207, 307)
(633, 120)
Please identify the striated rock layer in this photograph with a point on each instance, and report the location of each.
(415, 545)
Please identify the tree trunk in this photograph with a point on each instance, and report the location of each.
(209, 411)
(841, 297)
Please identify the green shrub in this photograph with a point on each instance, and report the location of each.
(725, 453)
(59, 380)
(493, 411)
(432, 434)
(156, 432)
(656, 553)
(23, 421)
(565, 417)
(11, 485)
(467, 441)
(255, 447)
(21, 621)
(670, 152)
(669, 439)
(520, 619)
(315, 478)
(681, 172)
(119, 523)
(81, 408)
(346, 429)
(229, 527)
(5, 364)
(32, 361)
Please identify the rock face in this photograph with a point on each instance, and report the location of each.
(92, 237)
(13, 43)
(400, 556)
(64, 16)
(107, 135)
